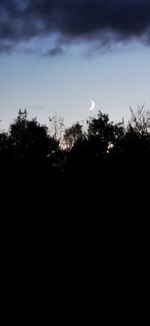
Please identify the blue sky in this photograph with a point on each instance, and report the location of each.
(65, 84)
(55, 57)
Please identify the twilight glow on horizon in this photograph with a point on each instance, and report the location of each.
(55, 56)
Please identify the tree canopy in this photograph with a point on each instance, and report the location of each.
(74, 225)
(28, 139)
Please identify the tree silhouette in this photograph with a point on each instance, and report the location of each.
(140, 120)
(103, 134)
(6, 152)
(82, 241)
(30, 140)
(73, 134)
(56, 128)
(133, 145)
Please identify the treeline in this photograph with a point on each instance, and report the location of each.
(100, 151)
(75, 218)
(75, 147)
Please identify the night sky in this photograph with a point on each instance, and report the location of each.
(55, 56)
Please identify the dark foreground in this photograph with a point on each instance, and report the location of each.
(74, 250)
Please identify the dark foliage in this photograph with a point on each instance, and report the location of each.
(75, 223)
(30, 140)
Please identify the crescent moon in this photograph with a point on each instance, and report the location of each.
(92, 107)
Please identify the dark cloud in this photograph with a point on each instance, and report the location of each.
(105, 21)
(54, 51)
